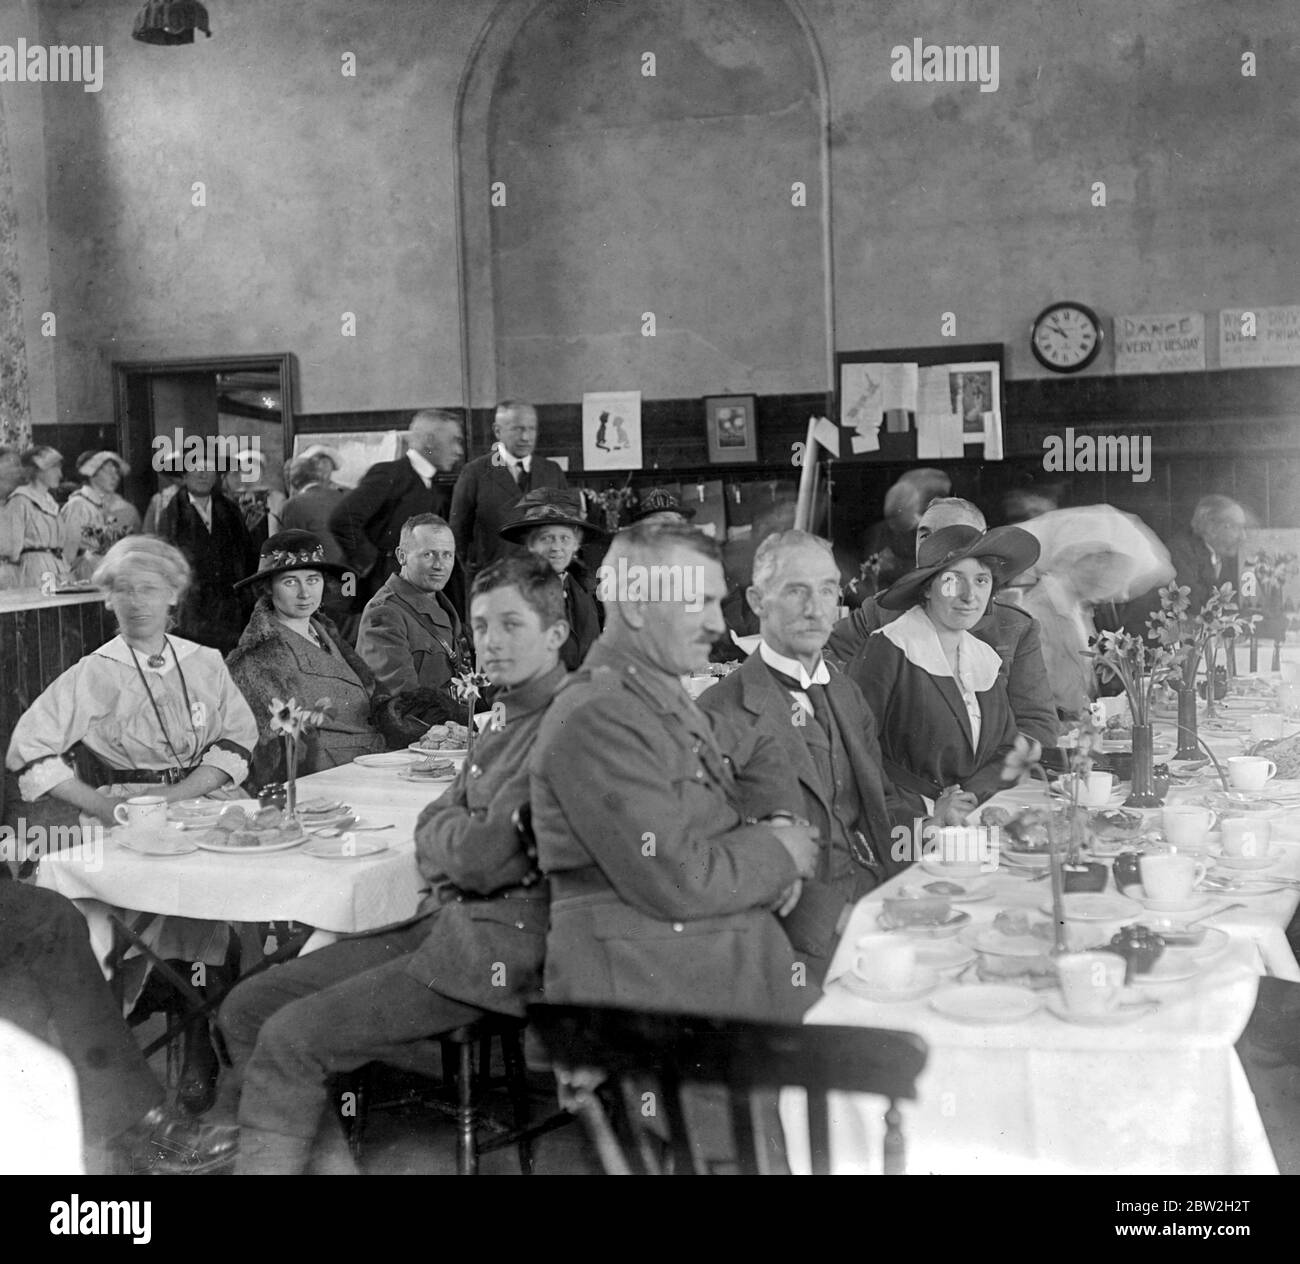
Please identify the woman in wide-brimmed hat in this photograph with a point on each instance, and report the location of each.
(939, 693)
(549, 522)
(660, 505)
(290, 650)
(95, 516)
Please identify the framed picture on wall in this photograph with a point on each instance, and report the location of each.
(731, 431)
(611, 430)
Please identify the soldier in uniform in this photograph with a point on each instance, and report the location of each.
(668, 858)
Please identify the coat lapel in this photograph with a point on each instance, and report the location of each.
(767, 701)
(948, 690)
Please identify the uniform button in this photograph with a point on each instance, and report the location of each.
(699, 774)
(519, 926)
(460, 899)
(475, 770)
(678, 927)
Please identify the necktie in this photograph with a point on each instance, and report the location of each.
(524, 481)
(816, 694)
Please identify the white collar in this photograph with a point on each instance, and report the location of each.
(793, 668)
(96, 497)
(510, 461)
(42, 497)
(120, 652)
(421, 464)
(915, 635)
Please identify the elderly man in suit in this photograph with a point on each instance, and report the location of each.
(669, 853)
(1006, 627)
(821, 721)
(367, 522)
(1206, 557)
(476, 942)
(410, 634)
(489, 486)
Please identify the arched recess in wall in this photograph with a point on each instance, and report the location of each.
(625, 193)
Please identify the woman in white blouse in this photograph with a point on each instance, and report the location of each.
(938, 692)
(30, 535)
(153, 714)
(95, 516)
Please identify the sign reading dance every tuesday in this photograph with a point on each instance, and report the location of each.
(1161, 342)
(1255, 336)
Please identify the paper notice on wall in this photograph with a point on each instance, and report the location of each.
(1169, 342)
(929, 436)
(993, 437)
(868, 393)
(1250, 337)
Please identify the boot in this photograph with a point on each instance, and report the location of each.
(164, 1143)
(198, 1083)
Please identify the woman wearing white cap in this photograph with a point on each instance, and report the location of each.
(95, 516)
(31, 537)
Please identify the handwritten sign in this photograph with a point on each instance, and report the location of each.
(1259, 336)
(1165, 342)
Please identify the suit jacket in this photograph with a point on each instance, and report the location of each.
(212, 613)
(367, 523)
(924, 729)
(662, 880)
(1191, 558)
(485, 493)
(310, 510)
(1007, 628)
(487, 937)
(413, 640)
(757, 704)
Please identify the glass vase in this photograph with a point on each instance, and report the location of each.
(1142, 794)
(1187, 746)
(290, 778)
(1211, 682)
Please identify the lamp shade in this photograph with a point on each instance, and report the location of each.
(171, 22)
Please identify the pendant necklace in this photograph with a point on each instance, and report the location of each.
(189, 707)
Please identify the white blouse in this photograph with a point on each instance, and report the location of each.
(102, 701)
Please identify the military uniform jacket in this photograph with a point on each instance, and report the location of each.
(487, 930)
(757, 704)
(662, 881)
(411, 640)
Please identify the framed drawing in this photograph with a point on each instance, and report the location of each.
(731, 431)
(611, 430)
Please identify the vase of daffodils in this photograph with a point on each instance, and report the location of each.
(292, 723)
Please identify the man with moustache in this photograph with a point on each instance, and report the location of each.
(367, 521)
(410, 635)
(821, 721)
(490, 485)
(1006, 627)
(668, 855)
(474, 945)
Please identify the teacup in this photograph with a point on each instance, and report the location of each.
(1266, 727)
(1091, 982)
(885, 961)
(1170, 879)
(1094, 790)
(144, 809)
(1244, 836)
(1187, 824)
(962, 849)
(1250, 772)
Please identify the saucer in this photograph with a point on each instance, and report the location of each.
(1095, 906)
(1192, 904)
(963, 872)
(945, 930)
(986, 1003)
(978, 889)
(348, 847)
(387, 759)
(1110, 1018)
(923, 981)
(943, 954)
(1174, 965)
(164, 841)
(1251, 862)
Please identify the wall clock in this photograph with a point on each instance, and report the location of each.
(1066, 337)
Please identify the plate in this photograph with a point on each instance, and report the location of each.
(1116, 798)
(945, 930)
(923, 981)
(1248, 887)
(327, 820)
(1192, 905)
(410, 774)
(1111, 1018)
(385, 759)
(210, 841)
(1095, 906)
(961, 872)
(979, 889)
(986, 1003)
(451, 753)
(348, 847)
(943, 954)
(1026, 859)
(160, 842)
(1174, 965)
(995, 943)
(1251, 862)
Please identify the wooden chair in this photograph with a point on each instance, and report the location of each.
(631, 1049)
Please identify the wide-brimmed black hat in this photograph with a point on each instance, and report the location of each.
(660, 500)
(547, 507)
(292, 551)
(1005, 550)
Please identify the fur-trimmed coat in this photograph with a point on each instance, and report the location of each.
(271, 662)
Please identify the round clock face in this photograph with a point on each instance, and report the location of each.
(1066, 337)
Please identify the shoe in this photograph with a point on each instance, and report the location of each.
(167, 1144)
(198, 1082)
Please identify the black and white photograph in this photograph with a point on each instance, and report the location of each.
(689, 587)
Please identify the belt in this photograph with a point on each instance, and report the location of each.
(25, 552)
(149, 776)
(571, 883)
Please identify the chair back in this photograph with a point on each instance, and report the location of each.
(628, 1050)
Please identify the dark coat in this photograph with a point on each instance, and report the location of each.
(1007, 628)
(487, 938)
(310, 510)
(662, 881)
(923, 726)
(367, 523)
(212, 613)
(756, 703)
(583, 618)
(267, 664)
(1191, 558)
(485, 493)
